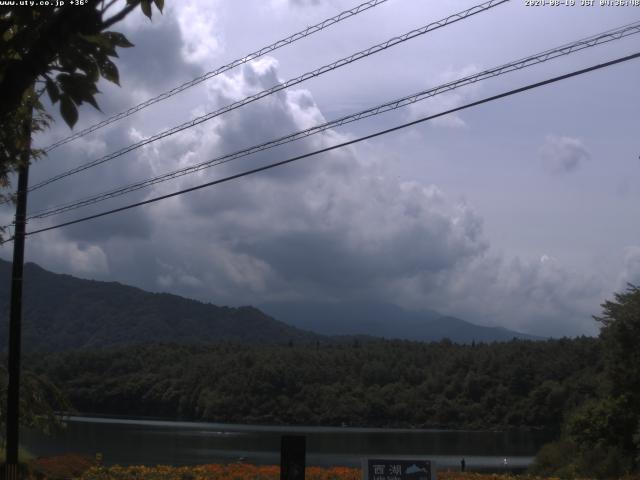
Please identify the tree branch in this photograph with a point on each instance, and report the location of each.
(109, 5)
(119, 16)
(54, 35)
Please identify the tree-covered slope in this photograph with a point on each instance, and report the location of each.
(61, 312)
(384, 383)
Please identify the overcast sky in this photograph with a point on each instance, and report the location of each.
(521, 213)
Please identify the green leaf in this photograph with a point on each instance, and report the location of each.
(109, 71)
(92, 101)
(68, 110)
(66, 63)
(102, 42)
(118, 39)
(76, 85)
(97, 39)
(52, 90)
(92, 71)
(83, 59)
(159, 4)
(146, 7)
(81, 88)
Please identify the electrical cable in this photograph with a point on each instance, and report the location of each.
(280, 86)
(566, 49)
(340, 145)
(247, 58)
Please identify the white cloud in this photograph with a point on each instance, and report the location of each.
(631, 268)
(448, 100)
(76, 257)
(540, 297)
(200, 29)
(563, 154)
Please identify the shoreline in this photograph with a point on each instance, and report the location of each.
(165, 421)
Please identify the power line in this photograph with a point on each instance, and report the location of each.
(525, 62)
(247, 58)
(281, 86)
(340, 145)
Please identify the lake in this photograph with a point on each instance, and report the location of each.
(152, 442)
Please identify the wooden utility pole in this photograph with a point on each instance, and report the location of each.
(293, 451)
(15, 312)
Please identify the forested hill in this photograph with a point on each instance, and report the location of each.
(62, 312)
(384, 383)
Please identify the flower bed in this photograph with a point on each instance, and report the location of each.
(214, 472)
(84, 468)
(60, 467)
(254, 472)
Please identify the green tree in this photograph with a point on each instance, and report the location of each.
(39, 401)
(62, 51)
(620, 334)
(603, 433)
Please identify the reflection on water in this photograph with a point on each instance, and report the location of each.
(150, 442)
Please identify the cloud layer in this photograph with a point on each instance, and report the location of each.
(349, 224)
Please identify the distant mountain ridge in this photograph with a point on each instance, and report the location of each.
(385, 320)
(62, 312)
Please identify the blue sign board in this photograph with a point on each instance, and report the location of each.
(398, 468)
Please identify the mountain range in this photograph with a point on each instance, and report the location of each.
(62, 312)
(385, 320)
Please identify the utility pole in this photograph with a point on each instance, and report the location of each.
(15, 312)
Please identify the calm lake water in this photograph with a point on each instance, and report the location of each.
(149, 442)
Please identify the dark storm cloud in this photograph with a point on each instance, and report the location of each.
(153, 65)
(156, 62)
(343, 225)
(131, 224)
(88, 183)
(321, 259)
(334, 227)
(357, 228)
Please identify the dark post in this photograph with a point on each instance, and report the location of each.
(15, 311)
(292, 457)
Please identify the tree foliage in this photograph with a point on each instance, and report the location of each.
(39, 402)
(604, 432)
(620, 334)
(63, 52)
(383, 383)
